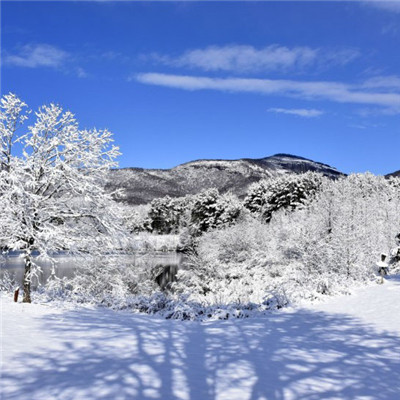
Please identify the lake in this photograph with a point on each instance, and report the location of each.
(13, 263)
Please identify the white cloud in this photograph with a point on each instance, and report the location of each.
(393, 5)
(391, 82)
(37, 55)
(243, 58)
(300, 112)
(247, 58)
(308, 90)
(81, 73)
(45, 56)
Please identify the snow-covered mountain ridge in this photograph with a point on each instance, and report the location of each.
(143, 185)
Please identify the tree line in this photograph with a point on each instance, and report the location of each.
(210, 209)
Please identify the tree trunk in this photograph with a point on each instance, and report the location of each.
(27, 278)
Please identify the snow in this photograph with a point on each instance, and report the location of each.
(345, 348)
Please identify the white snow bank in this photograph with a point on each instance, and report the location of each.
(346, 348)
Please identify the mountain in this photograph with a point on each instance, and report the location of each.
(395, 174)
(143, 185)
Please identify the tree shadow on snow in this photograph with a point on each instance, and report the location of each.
(395, 278)
(287, 355)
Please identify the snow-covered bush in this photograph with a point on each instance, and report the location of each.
(7, 282)
(150, 242)
(235, 243)
(116, 283)
(135, 218)
(188, 240)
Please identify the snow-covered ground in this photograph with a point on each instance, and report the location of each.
(346, 348)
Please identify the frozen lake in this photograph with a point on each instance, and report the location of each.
(67, 265)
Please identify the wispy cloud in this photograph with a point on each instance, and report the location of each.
(81, 73)
(391, 28)
(300, 112)
(391, 83)
(44, 55)
(393, 5)
(365, 125)
(37, 55)
(308, 90)
(114, 56)
(244, 58)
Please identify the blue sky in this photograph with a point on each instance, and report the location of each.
(181, 81)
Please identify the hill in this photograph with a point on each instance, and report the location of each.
(143, 185)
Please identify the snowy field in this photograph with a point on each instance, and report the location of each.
(346, 348)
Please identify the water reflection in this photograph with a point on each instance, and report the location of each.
(66, 266)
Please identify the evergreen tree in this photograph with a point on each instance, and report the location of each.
(211, 210)
(287, 192)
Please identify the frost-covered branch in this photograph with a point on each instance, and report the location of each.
(52, 197)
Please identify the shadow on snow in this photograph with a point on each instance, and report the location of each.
(304, 354)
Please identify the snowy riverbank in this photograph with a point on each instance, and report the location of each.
(345, 348)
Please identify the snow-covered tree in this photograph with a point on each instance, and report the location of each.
(325, 246)
(165, 214)
(211, 210)
(12, 116)
(135, 218)
(51, 186)
(288, 191)
(169, 215)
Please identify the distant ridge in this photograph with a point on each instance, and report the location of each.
(395, 174)
(142, 185)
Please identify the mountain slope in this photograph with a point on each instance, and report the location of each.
(143, 185)
(395, 174)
